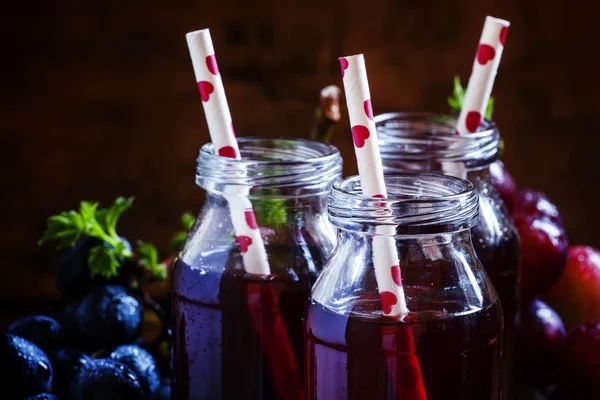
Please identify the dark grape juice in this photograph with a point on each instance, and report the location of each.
(238, 336)
(496, 243)
(365, 356)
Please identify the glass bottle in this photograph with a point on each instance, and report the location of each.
(239, 335)
(449, 345)
(427, 142)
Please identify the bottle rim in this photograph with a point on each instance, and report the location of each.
(424, 141)
(417, 204)
(302, 165)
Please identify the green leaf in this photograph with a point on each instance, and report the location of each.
(114, 213)
(68, 227)
(101, 217)
(65, 228)
(148, 256)
(187, 220)
(489, 111)
(87, 210)
(178, 240)
(458, 95)
(103, 261)
(270, 212)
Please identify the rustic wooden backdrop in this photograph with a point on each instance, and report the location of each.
(98, 99)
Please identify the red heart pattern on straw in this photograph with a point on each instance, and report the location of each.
(397, 275)
(343, 65)
(473, 120)
(251, 219)
(244, 242)
(211, 64)
(485, 54)
(481, 81)
(206, 89)
(360, 134)
(368, 109)
(503, 33)
(379, 196)
(227, 151)
(388, 301)
(370, 168)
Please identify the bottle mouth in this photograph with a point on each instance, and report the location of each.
(417, 203)
(299, 166)
(420, 141)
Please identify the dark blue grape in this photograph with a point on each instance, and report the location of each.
(65, 364)
(108, 316)
(43, 331)
(24, 368)
(71, 332)
(44, 396)
(104, 379)
(141, 363)
(74, 278)
(164, 391)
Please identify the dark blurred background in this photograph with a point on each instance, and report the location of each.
(98, 99)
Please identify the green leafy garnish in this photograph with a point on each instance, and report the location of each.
(148, 258)
(458, 96)
(270, 211)
(105, 259)
(69, 226)
(187, 222)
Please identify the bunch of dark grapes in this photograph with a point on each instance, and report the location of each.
(102, 346)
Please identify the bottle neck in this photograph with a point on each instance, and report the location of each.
(270, 168)
(283, 221)
(478, 176)
(424, 142)
(429, 243)
(416, 204)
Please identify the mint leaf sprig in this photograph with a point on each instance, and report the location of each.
(270, 212)
(458, 97)
(106, 259)
(148, 259)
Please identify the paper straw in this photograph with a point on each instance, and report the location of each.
(370, 170)
(485, 66)
(405, 374)
(481, 82)
(220, 128)
(270, 327)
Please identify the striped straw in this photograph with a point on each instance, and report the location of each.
(370, 169)
(220, 128)
(481, 82)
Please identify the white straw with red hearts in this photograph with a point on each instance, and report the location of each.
(485, 67)
(277, 347)
(220, 128)
(370, 170)
(481, 82)
(405, 374)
